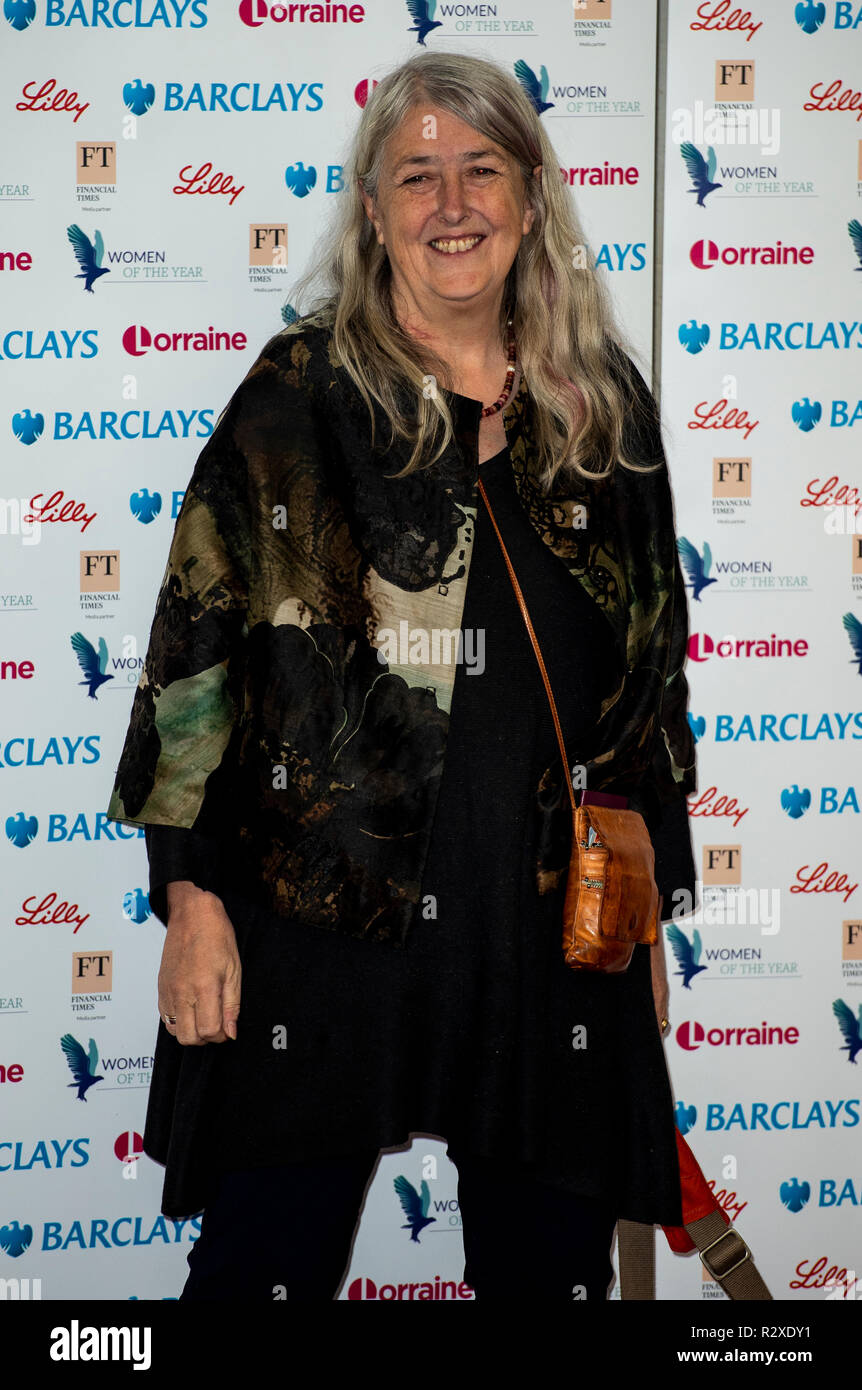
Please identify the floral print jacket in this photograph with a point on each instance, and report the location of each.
(264, 703)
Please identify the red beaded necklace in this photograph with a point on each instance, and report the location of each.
(510, 376)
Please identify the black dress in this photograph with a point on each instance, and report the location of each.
(476, 1031)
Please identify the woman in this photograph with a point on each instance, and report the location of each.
(357, 840)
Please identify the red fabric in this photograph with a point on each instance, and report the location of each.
(697, 1199)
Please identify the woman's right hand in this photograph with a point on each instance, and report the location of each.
(200, 972)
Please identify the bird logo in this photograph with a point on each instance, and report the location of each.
(415, 1206)
(19, 13)
(15, 1239)
(536, 88)
(422, 13)
(145, 505)
(139, 98)
(697, 567)
(806, 414)
(795, 802)
(809, 16)
(794, 1194)
(21, 829)
(299, 179)
(136, 905)
(850, 1027)
(701, 171)
(82, 1064)
(89, 254)
(694, 336)
(854, 227)
(697, 724)
(92, 665)
(27, 427)
(853, 628)
(288, 315)
(686, 1116)
(687, 954)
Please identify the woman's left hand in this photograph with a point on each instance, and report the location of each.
(660, 987)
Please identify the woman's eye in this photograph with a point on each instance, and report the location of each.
(413, 178)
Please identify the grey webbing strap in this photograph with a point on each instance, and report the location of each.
(723, 1251)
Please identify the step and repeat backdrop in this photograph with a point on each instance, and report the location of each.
(167, 170)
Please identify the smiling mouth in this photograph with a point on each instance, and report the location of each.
(453, 246)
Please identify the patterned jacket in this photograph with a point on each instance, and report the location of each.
(264, 705)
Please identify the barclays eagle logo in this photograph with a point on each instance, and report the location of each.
(809, 16)
(795, 802)
(21, 830)
(686, 1115)
(15, 1239)
(806, 414)
(794, 1194)
(694, 336)
(28, 427)
(299, 179)
(145, 506)
(139, 98)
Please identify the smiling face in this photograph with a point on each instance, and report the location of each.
(450, 210)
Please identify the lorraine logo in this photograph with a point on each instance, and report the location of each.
(91, 662)
(300, 179)
(415, 1205)
(701, 171)
(794, 1194)
(21, 830)
(145, 505)
(686, 1115)
(28, 427)
(809, 16)
(422, 13)
(806, 414)
(15, 1239)
(82, 1064)
(139, 98)
(694, 336)
(795, 801)
(696, 566)
(850, 1028)
(687, 954)
(89, 256)
(535, 88)
(136, 906)
(853, 628)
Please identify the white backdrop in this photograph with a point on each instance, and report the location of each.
(202, 197)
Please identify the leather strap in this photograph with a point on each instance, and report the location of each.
(722, 1250)
(526, 616)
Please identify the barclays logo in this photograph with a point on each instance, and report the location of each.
(23, 343)
(99, 14)
(136, 905)
(783, 1114)
(795, 801)
(22, 830)
(795, 1195)
(116, 426)
(811, 16)
(140, 97)
(806, 414)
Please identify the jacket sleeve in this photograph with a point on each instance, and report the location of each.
(176, 854)
(186, 703)
(673, 772)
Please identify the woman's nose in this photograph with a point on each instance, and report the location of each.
(452, 198)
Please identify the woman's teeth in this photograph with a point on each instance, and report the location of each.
(462, 244)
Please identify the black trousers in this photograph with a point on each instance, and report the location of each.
(286, 1233)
